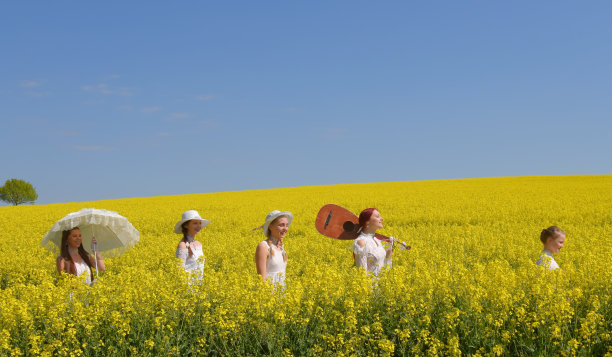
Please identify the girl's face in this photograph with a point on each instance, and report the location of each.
(554, 245)
(279, 227)
(193, 227)
(74, 238)
(376, 221)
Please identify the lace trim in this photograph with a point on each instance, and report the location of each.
(357, 249)
(124, 230)
(182, 253)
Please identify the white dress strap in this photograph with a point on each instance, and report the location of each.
(276, 265)
(195, 262)
(81, 268)
(268, 244)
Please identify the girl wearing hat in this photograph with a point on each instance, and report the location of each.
(74, 259)
(369, 251)
(189, 250)
(270, 255)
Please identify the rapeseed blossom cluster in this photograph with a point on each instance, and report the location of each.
(468, 286)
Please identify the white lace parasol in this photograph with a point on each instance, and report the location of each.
(113, 232)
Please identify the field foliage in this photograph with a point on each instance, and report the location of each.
(469, 286)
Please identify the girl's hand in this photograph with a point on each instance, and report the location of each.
(390, 247)
(94, 244)
(189, 247)
(403, 245)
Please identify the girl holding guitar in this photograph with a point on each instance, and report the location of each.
(369, 251)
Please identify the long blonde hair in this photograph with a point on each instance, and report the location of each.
(269, 235)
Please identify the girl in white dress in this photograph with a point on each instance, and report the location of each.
(189, 250)
(552, 238)
(74, 259)
(370, 253)
(270, 255)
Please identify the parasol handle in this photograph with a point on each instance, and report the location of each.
(96, 258)
(94, 247)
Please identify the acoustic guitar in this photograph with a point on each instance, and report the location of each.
(339, 223)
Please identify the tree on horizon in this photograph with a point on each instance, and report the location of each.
(18, 192)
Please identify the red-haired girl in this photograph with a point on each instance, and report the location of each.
(369, 251)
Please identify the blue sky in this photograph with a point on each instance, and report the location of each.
(115, 99)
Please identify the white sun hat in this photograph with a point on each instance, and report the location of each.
(274, 215)
(188, 216)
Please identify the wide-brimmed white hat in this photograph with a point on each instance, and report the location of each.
(188, 216)
(274, 215)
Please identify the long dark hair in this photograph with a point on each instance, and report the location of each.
(82, 252)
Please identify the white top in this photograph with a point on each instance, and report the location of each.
(546, 260)
(195, 262)
(81, 268)
(372, 256)
(276, 265)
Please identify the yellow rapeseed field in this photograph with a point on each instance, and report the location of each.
(469, 286)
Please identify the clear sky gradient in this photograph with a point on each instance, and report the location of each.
(115, 99)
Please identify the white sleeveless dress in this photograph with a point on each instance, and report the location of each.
(81, 268)
(276, 265)
(372, 256)
(193, 263)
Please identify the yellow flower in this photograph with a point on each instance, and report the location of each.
(471, 272)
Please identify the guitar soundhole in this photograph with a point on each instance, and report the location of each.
(348, 226)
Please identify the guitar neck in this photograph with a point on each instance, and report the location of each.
(381, 237)
(387, 239)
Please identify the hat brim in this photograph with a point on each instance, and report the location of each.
(287, 214)
(179, 230)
